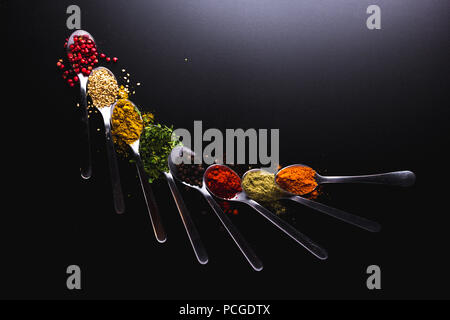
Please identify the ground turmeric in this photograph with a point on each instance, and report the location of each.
(126, 121)
(297, 179)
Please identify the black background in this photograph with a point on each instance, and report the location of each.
(347, 100)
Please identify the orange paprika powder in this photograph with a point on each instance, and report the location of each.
(297, 179)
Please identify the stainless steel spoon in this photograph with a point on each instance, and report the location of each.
(119, 204)
(150, 201)
(396, 178)
(86, 165)
(191, 230)
(176, 156)
(360, 222)
(303, 240)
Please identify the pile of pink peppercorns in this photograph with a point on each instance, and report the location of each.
(83, 56)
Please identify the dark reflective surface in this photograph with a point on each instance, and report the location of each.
(347, 100)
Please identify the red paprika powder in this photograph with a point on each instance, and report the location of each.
(223, 182)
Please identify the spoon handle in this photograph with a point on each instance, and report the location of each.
(119, 204)
(242, 244)
(86, 166)
(307, 243)
(150, 201)
(397, 178)
(361, 222)
(188, 223)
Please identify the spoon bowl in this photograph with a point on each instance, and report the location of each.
(78, 33)
(105, 111)
(241, 196)
(318, 178)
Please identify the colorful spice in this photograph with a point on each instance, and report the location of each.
(314, 194)
(155, 146)
(128, 89)
(191, 173)
(148, 118)
(297, 179)
(82, 54)
(120, 146)
(260, 186)
(123, 92)
(82, 57)
(102, 88)
(126, 121)
(223, 182)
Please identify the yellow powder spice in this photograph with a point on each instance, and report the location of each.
(127, 124)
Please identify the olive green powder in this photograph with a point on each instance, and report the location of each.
(260, 186)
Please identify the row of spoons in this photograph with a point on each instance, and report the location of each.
(400, 178)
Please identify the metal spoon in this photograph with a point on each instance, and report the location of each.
(186, 218)
(396, 178)
(152, 208)
(339, 214)
(86, 165)
(119, 204)
(180, 152)
(303, 240)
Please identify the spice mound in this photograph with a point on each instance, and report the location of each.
(298, 179)
(223, 182)
(102, 88)
(260, 186)
(156, 143)
(126, 122)
(191, 173)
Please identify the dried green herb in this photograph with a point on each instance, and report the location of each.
(155, 146)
